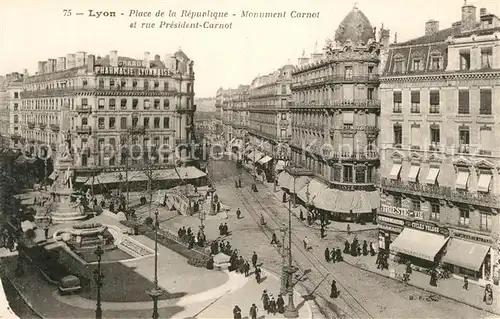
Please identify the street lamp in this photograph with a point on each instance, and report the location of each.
(98, 277)
(290, 269)
(284, 275)
(202, 215)
(156, 292)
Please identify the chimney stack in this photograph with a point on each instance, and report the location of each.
(113, 58)
(90, 63)
(157, 57)
(40, 67)
(25, 73)
(80, 58)
(431, 27)
(384, 37)
(483, 11)
(468, 17)
(70, 61)
(303, 60)
(61, 64)
(146, 60)
(52, 65)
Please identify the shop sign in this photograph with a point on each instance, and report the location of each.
(401, 211)
(472, 237)
(390, 228)
(425, 226)
(131, 63)
(104, 70)
(391, 220)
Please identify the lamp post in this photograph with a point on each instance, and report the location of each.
(284, 261)
(156, 292)
(290, 269)
(98, 277)
(202, 215)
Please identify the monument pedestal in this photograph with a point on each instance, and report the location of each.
(65, 211)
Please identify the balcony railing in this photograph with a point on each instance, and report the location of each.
(463, 149)
(84, 129)
(442, 192)
(137, 130)
(73, 89)
(42, 126)
(83, 109)
(342, 104)
(31, 124)
(15, 136)
(336, 79)
(353, 186)
(54, 127)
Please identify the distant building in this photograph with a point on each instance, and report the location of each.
(440, 143)
(10, 107)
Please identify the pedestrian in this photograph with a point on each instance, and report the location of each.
(348, 229)
(346, 247)
(228, 248)
(241, 265)
(235, 184)
(466, 283)
(332, 255)
(359, 251)
(221, 229)
(247, 268)
(265, 300)
(238, 213)
(408, 268)
(272, 306)
(306, 243)
(236, 312)
(46, 231)
(327, 255)
(280, 304)
(284, 197)
(274, 239)
(301, 215)
(333, 290)
(433, 281)
(339, 255)
(378, 262)
(262, 221)
(189, 231)
(488, 295)
(354, 247)
(222, 247)
(179, 233)
(253, 312)
(239, 183)
(218, 207)
(365, 248)
(372, 250)
(226, 229)
(254, 260)
(257, 274)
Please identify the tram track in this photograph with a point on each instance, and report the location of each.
(321, 271)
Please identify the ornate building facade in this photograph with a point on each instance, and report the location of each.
(269, 123)
(10, 106)
(440, 96)
(335, 122)
(104, 106)
(237, 105)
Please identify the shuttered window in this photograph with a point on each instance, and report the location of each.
(415, 96)
(485, 106)
(397, 97)
(463, 102)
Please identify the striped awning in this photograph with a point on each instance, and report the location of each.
(359, 202)
(284, 179)
(311, 190)
(280, 165)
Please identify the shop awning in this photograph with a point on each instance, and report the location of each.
(311, 190)
(412, 175)
(396, 168)
(297, 183)
(280, 165)
(419, 243)
(257, 156)
(53, 175)
(82, 179)
(250, 155)
(465, 254)
(432, 175)
(483, 184)
(265, 159)
(462, 178)
(284, 179)
(326, 199)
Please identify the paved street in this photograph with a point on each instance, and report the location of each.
(363, 294)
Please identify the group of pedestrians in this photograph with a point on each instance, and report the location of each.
(187, 236)
(355, 249)
(8, 240)
(223, 229)
(271, 305)
(334, 255)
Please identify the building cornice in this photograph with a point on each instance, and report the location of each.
(442, 77)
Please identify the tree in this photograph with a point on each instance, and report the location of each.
(152, 175)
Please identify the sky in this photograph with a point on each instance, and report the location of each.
(36, 30)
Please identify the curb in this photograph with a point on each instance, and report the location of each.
(302, 291)
(26, 300)
(426, 290)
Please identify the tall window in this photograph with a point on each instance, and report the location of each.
(348, 73)
(166, 103)
(415, 101)
(156, 104)
(111, 84)
(112, 104)
(123, 83)
(101, 83)
(486, 58)
(348, 174)
(463, 102)
(283, 89)
(135, 103)
(397, 97)
(397, 201)
(283, 133)
(434, 102)
(436, 63)
(146, 122)
(398, 66)
(485, 102)
(157, 84)
(134, 83)
(463, 220)
(123, 104)
(112, 122)
(85, 102)
(398, 135)
(360, 174)
(166, 122)
(370, 93)
(415, 204)
(123, 123)
(146, 84)
(465, 60)
(135, 120)
(485, 140)
(435, 134)
(147, 104)
(485, 219)
(156, 122)
(100, 104)
(337, 172)
(435, 211)
(100, 123)
(165, 86)
(16, 118)
(417, 65)
(464, 136)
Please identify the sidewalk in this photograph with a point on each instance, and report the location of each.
(449, 288)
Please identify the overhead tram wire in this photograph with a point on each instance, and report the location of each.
(314, 263)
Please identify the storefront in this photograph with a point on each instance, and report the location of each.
(389, 229)
(471, 255)
(266, 164)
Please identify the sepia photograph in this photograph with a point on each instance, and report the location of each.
(265, 159)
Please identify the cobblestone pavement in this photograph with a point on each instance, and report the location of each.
(363, 294)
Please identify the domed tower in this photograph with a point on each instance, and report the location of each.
(336, 104)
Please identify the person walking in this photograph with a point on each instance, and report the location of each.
(466, 283)
(372, 250)
(488, 295)
(247, 268)
(221, 229)
(265, 300)
(274, 240)
(433, 281)
(306, 243)
(347, 247)
(327, 255)
(218, 207)
(254, 260)
(253, 312)
(46, 232)
(272, 306)
(257, 275)
(238, 213)
(333, 290)
(348, 229)
(226, 230)
(365, 248)
(236, 312)
(280, 304)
